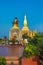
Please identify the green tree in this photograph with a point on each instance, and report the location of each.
(1, 40)
(29, 40)
(40, 54)
(37, 39)
(25, 36)
(2, 61)
(30, 50)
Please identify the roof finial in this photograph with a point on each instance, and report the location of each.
(25, 20)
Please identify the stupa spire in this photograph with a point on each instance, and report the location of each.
(25, 20)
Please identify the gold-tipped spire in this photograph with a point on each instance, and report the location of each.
(25, 20)
(15, 23)
(25, 27)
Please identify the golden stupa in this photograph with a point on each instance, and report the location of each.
(25, 27)
(14, 31)
(17, 33)
(15, 24)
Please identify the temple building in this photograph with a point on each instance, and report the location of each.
(16, 33)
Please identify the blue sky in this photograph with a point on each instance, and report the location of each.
(9, 9)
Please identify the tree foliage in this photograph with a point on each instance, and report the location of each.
(25, 36)
(30, 50)
(2, 61)
(33, 45)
